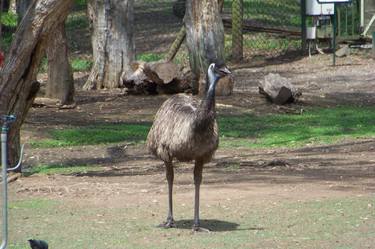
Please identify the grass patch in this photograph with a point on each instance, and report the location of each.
(80, 5)
(77, 21)
(149, 57)
(81, 65)
(32, 204)
(287, 130)
(61, 169)
(9, 19)
(100, 134)
(316, 126)
(333, 223)
(271, 12)
(6, 40)
(77, 64)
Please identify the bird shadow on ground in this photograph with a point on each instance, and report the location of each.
(213, 225)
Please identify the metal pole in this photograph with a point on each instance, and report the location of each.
(303, 27)
(4, 163)
(362, 15)
(334, 34)
(4, 159)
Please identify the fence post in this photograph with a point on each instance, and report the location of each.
(237, 34)
(303, 27)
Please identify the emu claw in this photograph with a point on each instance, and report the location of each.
(197, 228)
(167, 224)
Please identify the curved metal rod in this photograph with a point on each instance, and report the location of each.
(19, 161)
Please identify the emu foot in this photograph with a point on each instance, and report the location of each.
(168, 224)
(197, 228)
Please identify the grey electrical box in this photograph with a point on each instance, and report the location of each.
(314, 8)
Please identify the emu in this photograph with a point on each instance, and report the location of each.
(185, 129)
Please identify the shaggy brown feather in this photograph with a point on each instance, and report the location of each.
(184, 129)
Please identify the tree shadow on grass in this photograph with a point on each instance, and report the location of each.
(214, 225)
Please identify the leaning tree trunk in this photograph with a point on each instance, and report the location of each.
(112, 42)
(18, 85)
(60, 83)
(205, 41)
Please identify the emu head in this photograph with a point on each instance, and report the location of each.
(215, 72)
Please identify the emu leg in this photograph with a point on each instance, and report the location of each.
(170, 177)
(198, 168)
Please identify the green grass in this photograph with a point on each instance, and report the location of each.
(331, 223)
(77, 64)
(77, 21)
(36, 204)
(100, 134)
(81, 65)
(80, 5)
(271, 12)
(149, 57)
(318, 125)
(61, 169)
(263, 43)
(9, 19)
(6, 40)
(315, 126)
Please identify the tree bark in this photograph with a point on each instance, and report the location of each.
(18, 85)
(60, 83)
(112, 40)
(205, 40)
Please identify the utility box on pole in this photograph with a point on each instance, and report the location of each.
(314, 8)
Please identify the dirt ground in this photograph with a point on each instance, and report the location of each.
(131, 177)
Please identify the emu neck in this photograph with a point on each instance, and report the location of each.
(205, 114)
(208, 102)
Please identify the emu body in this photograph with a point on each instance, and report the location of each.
(185, 129)
(177, 134)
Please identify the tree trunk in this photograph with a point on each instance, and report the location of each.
(112, 40)
(205, 40)
(18, 85)
(60, 83)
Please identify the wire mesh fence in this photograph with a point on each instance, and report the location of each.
(270, 27)
(156, 27)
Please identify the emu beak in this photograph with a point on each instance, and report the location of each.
(224, 70)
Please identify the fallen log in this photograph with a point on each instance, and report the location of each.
(155, 78)
(278, 90)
